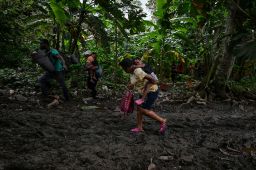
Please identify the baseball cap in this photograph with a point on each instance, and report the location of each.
(88, 52)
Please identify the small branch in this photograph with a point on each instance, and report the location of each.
(234, 150)
(227, 154)
(224, 159)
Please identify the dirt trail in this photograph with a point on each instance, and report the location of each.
(216, 136)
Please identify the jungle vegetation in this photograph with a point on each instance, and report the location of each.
(217, 36)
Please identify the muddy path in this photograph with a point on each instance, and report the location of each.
(216, 136)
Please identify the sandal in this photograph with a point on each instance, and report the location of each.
(139, 101)
(136, 130)
(163, 128)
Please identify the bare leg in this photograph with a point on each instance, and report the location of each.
(138, 122)
(151, 114)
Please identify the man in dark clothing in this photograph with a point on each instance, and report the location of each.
(58, 74)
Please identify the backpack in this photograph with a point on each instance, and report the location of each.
(127, 103)
(98, 72)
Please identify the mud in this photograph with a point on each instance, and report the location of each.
(220, 135)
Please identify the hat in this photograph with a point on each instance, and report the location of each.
(88, 52)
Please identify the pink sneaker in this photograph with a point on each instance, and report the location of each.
(139, 101)
(163, 128)
(136, 130)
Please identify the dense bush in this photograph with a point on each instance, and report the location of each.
(17, 78)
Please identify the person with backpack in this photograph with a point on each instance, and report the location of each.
(58, 72)
(139, 79)
(94, 72)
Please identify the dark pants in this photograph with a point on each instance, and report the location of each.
(150, 100)
(91, 84)
(59, 76)
(174, 77)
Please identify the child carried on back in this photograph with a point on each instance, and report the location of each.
(147, 69)
(92, 66)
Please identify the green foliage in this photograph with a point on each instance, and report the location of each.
(183, 77)
(11, 31)
(193, 31)
(160, 8)
(246, 82)
(97, 28)
(17, 78)
(76, 76)
(59, 12)
(244, 87)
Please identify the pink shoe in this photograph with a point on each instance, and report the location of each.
(139, 101)
(136, 130)
(163, 128)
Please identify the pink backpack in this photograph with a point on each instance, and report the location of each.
(127, 103)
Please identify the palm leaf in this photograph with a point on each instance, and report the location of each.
(160, 8)
(59, 12)
(96, 27)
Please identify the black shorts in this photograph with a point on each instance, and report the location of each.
(150, 100)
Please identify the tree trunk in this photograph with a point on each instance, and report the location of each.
(227, 60)
(77, 32)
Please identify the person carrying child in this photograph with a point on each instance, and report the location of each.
(147, 69)
(91, 66)
(59, 70)
(139, 78)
